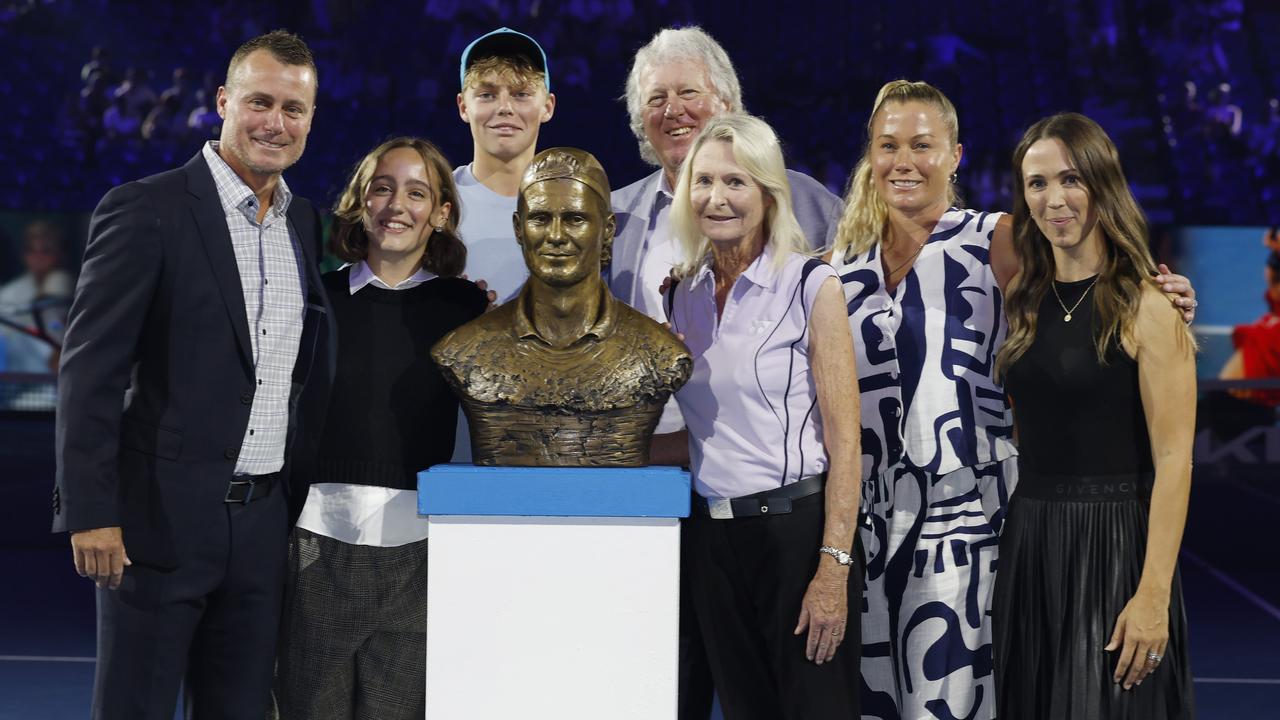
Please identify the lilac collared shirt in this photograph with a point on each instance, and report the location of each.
(751, 405)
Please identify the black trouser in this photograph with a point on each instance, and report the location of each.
(748, 577)
(696, 691)
(210, 623)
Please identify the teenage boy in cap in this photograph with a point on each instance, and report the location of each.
(506, 96)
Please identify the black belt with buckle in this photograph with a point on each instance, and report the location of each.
(776, 501)
(245, 489)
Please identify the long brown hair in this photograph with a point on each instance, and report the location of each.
(1126, 258)
(866, 214)
(445, 255)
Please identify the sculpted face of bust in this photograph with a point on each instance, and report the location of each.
(564, 228)
(564, 374)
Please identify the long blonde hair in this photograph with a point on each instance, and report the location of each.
(866, 216)
(756, 149)
(1126, 259)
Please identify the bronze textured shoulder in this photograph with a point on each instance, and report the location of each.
(462, 341)
(594, 402)
(456, 352)
(668, 357)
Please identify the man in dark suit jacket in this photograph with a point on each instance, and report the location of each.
(197, 323)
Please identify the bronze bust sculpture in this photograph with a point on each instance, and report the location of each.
(564, 374)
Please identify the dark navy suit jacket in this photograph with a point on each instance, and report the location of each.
(157, 378)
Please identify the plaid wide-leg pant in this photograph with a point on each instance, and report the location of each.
(353, 635)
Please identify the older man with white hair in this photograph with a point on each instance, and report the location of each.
(678, 81)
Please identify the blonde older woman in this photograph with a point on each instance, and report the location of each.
(773, 435)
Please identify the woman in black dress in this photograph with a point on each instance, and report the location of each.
(1100, 370)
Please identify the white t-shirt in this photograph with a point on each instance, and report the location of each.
(492, 252)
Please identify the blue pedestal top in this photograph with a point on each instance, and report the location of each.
(465, 489)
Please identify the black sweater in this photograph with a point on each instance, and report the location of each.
(390, 412)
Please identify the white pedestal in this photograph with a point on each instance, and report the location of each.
(548, 601)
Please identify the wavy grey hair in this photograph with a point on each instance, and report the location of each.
(674, 44)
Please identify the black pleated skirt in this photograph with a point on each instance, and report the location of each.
(1071, 555)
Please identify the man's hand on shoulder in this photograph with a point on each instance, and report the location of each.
(493, 296)
(100, 556)
(1171, 282)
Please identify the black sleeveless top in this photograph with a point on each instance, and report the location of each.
(1075, 416)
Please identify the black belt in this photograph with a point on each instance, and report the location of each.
(775, 501)
(245, 489)
(1084, 488)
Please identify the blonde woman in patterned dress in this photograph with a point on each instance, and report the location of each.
(923, 281)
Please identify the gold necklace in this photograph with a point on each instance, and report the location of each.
(909, 259)
(1067, 313)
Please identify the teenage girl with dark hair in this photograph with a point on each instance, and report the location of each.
(354, 642)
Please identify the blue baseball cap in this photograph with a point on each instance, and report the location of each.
(505, 42)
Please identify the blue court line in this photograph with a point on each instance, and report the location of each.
(46, 658)
(1232, 583)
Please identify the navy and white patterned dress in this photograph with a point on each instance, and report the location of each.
(938, 467)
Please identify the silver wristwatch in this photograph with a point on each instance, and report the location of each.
(842, 557)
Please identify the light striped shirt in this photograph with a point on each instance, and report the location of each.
(269, 259)
(657, 257)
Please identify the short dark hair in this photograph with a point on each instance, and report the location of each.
(284, 46)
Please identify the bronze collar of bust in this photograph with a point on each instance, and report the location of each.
(599, 328)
